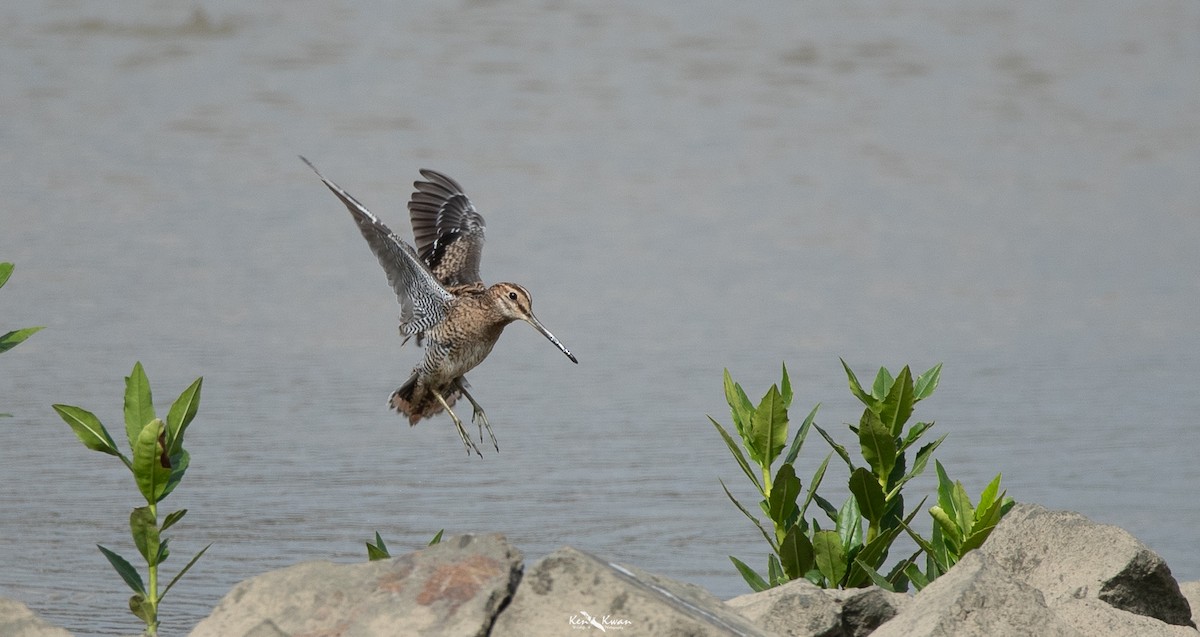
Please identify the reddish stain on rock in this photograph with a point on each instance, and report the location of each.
(456, 583)
(393, 579)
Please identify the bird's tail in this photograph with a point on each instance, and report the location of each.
(416, 400)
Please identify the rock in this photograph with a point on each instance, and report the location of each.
(1191, 590)
(800, 608)
(17, 620)
(570, 589)
(1067, 556)
(976, 598)
(865, 609)
(450, 589)
(796, 609)
(1094, 617)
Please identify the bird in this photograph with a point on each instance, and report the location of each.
(444, 304)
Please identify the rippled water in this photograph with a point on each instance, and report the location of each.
(1007, 187)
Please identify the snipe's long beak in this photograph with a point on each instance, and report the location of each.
(532, 320)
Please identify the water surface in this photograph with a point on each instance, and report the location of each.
(1007, 187)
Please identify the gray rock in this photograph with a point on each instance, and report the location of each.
(17, 620)
(976, 598)
(450, 589)
(802, 609)
(570, 589)
(796, 609)
(1094, 617)
(865, 609)
(1191, 590)
(1067, 556)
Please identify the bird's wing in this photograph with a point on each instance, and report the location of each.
(422, 299)
(447, 228)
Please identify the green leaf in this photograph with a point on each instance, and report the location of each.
(935, 548)
(144, 527)
(963, 508)
(775, 574)
(148, 469)
(849, 525)
(916, 576)
(770, 539)
(6, 270)
(784, 492)
(179, 465)
(180, 573)
(88, 428)
(829, 556)
(945, 490)
(946, 522)
(437, 539)
(163, 551)
(837, 448)
(172, 518)
(944, 556)
(796, 553)
(914, 433)
(983, 526)
(740, 407)
(825, 505)
(181, 414)
(875, 552)
(769, 426)
(988, 496)
(818, 476)
(139, 405)
(738, 455)
(143, 609)
(16, 337)
(756, 582)
(378, 550)
(875, 577)
(927, 383)
(919, 463)
(785, 388)
(991, 515)
(883, 383)
(125, 570)
(898, 405)
(878, 445)
(857, 390)
(801, 434)
(868, 494)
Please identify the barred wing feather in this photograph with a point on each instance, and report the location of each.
(447, 228)
(422, 298)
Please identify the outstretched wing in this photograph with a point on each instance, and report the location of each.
(447, 228)
(422, 299)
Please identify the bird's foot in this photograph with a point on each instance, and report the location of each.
(480, 419)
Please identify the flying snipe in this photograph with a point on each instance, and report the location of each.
(443, 302)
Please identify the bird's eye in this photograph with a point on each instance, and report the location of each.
(512, 295)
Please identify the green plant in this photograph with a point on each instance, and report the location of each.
(763, 431)
(15, 337)
(158, 463)
(877, 487)
(959, 526)
(379, 550)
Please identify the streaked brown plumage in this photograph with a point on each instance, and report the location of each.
(443, 301)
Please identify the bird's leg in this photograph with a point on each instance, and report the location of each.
(477, 415)
(462, 433)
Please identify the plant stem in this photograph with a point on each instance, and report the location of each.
(152, 592)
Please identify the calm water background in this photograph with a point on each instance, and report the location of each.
(1011, 188)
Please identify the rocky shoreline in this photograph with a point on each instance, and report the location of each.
(1042, 572)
